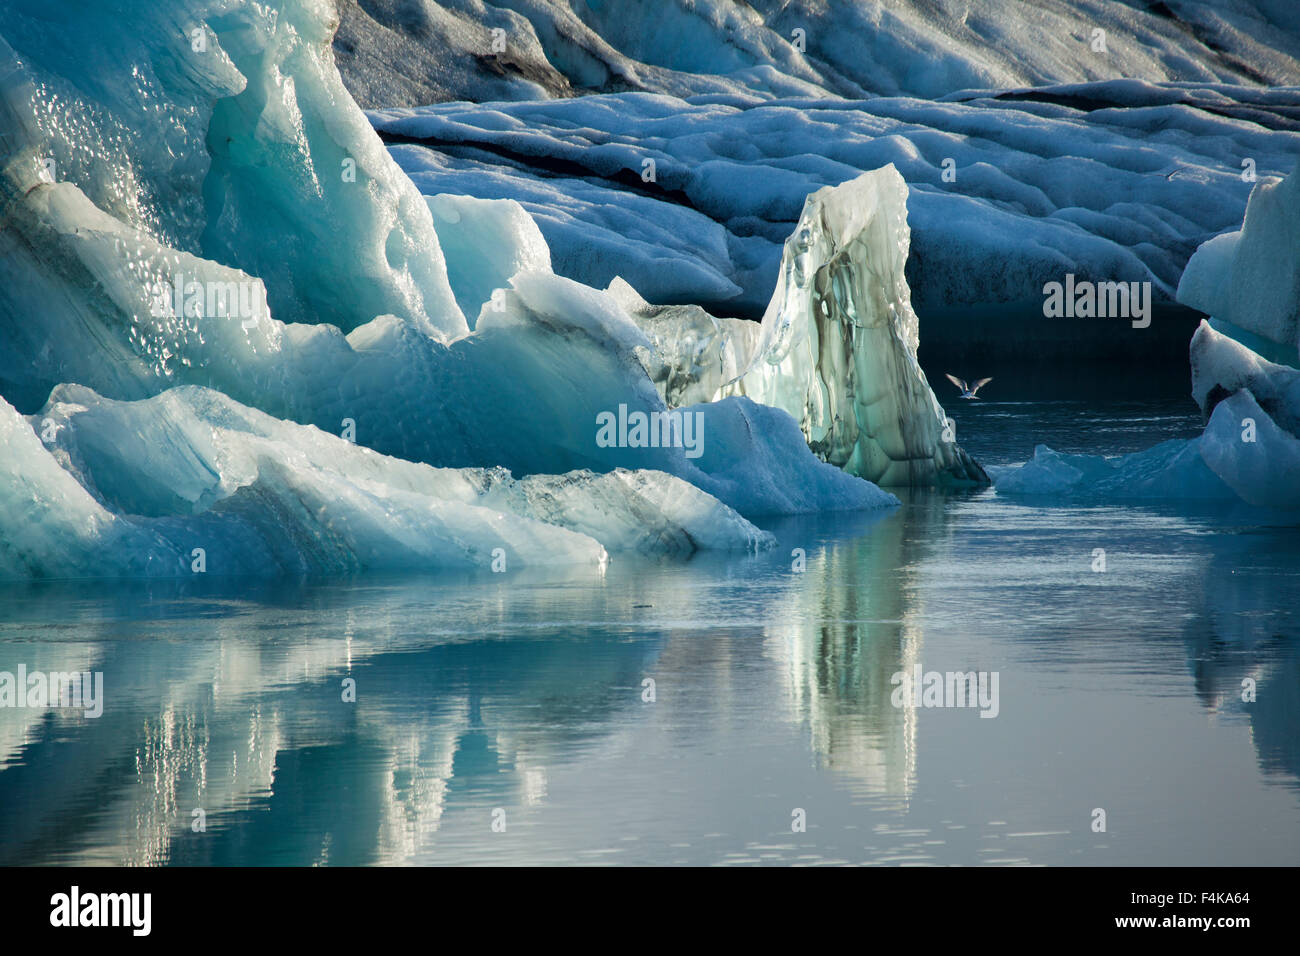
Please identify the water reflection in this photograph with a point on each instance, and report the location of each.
(529, 695)
(1244, 652)
(858, 621)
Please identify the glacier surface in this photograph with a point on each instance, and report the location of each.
(415, 52)
(1115, 180)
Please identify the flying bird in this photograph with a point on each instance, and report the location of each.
(968, 391)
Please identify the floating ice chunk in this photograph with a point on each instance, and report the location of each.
(83, 270)
(134, 487)
(1249, 448)
(838, 343)
(1250, 277)
(49, 525)
(577, 347)
(1172, 469)
(1221, 366)
(278, 498)
(570, 345)
(1250, 281)
(1251, 440)
(1254, 456)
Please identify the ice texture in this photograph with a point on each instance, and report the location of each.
(215, 149)
(486, 242)
(1253, 453)
(1252, 440)
(1249, 451)
(692, 355)
(1250, 281)
(402, 53)
(1222, 366)
(838, 343)
(1250, 278)
(405, 390)
(131, 488)
(222, 130)
(1172, 469)
(1115, 180)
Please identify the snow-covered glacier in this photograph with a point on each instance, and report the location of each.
(402, 53)
(1118, 179)
(207, 249)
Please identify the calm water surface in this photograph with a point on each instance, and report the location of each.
(520, 698)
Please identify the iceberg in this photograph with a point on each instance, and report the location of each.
(1252, 439)
(1250, 448)
(1249, 278)
(1249, 451)
(109, 488)
(1250, 281)
(1222, 366)
(838, 343)
(1253, 453)
(223, 130)
(692, 355)
(248, 262)
(836, 348)
(1173, 469)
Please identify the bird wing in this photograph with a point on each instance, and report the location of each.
(980, 384)
(956, 381)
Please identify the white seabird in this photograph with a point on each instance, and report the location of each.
(967, 391)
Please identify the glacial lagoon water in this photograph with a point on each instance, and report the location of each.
(521, 699)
